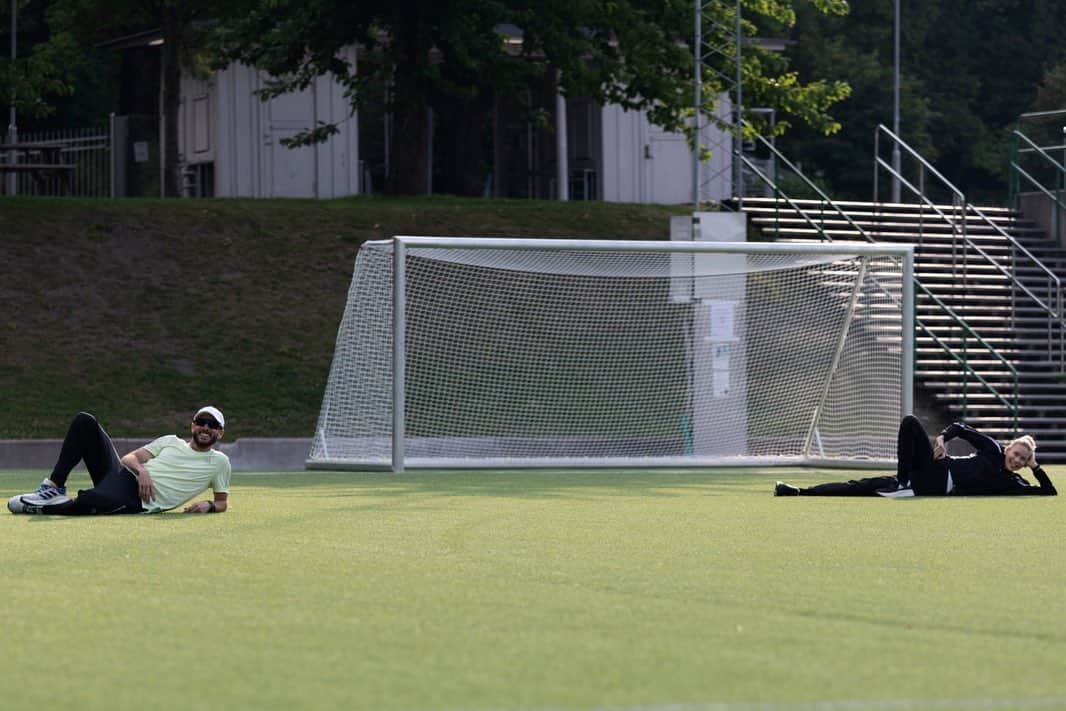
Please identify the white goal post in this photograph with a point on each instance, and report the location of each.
(499, 352)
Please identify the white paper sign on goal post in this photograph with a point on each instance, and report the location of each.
(718, 362)
(503, 352)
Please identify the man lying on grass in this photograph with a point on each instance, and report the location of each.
(925, 469)
(161, 475)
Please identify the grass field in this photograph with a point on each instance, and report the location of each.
(522, 591)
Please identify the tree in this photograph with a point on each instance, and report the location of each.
(94, 21)
(41, 71)
(418, 54)
(1051, 94)
(969, 69)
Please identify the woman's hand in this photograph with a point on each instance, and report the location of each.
(938, 448)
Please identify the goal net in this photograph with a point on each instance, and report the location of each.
(479, 352)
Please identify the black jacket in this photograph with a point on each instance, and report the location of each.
(984, 472)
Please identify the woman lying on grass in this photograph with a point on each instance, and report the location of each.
(925, 469)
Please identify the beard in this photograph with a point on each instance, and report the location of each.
(204, 438)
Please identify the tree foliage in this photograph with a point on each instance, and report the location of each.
(1051, 93)
(57, 63)
(416, 54)
(40, 73)
(968, 70)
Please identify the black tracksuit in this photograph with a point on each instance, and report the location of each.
(983, 473)
(980, 474)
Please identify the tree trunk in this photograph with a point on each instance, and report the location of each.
(409, 96)
(173, 26)
(407, 164)
(463, 143)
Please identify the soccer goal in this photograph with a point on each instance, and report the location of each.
(485, 352)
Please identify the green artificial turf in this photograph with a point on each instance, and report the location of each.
(649, 591)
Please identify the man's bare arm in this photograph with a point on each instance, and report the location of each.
(134, 461)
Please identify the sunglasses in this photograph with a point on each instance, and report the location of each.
(207, 422)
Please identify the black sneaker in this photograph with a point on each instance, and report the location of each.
(783, 489)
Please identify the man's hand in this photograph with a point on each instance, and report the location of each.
(939, 452)
(145, 486)
(220, 504)
(134, 461)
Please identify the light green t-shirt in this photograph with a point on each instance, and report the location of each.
(181, 472)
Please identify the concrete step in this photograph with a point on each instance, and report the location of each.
(996, 214)
(1035, 399)
(993, 407)
(902, 217)
(929, 363)
(952, 381)
(880, 229)
(850, 205)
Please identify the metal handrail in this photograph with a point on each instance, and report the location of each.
(1037, 149)
(1054, 291)
(799, 210)
(967, 369)
(1054, 312)
(1015, 171)
(777, 190)
(1052, 278)
(1010, 405)
(1041, 114)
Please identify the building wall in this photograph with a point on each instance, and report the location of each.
(227, 129)
(645, 164)
(624, 169)
(243, 136)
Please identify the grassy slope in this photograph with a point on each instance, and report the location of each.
(140, 310)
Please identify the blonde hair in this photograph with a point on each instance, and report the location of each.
(1027, 440)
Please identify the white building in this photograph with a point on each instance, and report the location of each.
(230, 146)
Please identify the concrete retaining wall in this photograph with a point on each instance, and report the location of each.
(246, 454)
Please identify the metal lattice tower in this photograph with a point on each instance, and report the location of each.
(717, 48)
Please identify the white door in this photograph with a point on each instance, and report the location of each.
(670, 168)
(291, 172)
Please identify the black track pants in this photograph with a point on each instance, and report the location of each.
(86, 441)
(854, 487)
(916, 467)
(114, 487)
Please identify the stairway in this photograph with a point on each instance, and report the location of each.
(976, 288)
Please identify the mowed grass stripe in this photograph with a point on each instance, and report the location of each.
(539, 590)
(856, 705)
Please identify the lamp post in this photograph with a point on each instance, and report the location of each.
(12, 129)
(895, 107)
(697, 84)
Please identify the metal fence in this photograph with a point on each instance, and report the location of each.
(88, 149)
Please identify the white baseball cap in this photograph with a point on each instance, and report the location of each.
(214, 412)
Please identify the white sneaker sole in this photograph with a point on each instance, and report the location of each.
(897, 494)
(36, 500)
